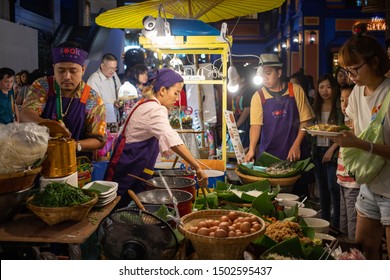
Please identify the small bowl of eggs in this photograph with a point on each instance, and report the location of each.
(221, 234)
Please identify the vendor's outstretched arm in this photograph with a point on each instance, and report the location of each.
(30, 115)
(183, 152)
(254, 135)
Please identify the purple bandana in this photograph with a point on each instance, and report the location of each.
(67, 54)
(164, 78)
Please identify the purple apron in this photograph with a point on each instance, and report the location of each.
(136, 158)
(74, 108)
(280, 125)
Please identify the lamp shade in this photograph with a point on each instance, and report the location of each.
(232, 76)
(127, 91)
(258, 79)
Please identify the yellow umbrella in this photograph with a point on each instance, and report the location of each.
(131, 16)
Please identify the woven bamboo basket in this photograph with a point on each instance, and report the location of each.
(18, 181)
(213, 248)
(55, 215)
(282, 182)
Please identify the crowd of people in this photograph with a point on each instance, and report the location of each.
(350, 98)
(271, 118)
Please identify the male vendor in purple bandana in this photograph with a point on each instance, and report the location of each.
(67, 99)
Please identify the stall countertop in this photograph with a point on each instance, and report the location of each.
(29, 228)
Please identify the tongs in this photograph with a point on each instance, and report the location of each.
(329, 249)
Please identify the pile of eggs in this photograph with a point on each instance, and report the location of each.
(230, 225)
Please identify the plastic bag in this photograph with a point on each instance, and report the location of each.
(364, 166)
(361, 165)
(21, 146)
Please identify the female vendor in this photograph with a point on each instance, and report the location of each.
(146, 133)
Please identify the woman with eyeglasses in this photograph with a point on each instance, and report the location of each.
(366, 64)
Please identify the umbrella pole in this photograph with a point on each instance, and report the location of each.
(200, 104)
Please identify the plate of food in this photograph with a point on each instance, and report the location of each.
(325, 129)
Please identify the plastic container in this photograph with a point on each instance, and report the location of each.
(71, 179)
(248, 164)
(214, 176)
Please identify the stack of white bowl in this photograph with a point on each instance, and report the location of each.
(105, 197)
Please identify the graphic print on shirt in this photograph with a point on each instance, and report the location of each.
(374, 112)
(279, 113)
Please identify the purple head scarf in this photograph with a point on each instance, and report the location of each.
(69, 54)
(164, 78)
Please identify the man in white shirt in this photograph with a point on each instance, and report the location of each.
(106, 82)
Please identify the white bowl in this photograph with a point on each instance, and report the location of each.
(113, 187)
(287, 196)
(319, 225)
(306, 212)
(290, 203)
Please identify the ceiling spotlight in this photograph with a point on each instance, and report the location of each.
(276, 49)
(149, 23)
(284, 45)
(156, 27)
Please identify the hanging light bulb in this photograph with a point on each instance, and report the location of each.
(233, 77)
(177, 64)
(295, 38)
(127, 91)
(258, 79)
(312, 37)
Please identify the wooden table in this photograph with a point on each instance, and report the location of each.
(29, 229)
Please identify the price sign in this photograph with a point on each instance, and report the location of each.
(234, 136)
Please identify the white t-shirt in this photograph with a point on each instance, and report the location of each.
(107, 88)
(361, 109)
(151, 120)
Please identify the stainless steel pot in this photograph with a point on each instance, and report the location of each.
(162, 197)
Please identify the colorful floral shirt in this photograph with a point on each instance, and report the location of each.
(95, 111)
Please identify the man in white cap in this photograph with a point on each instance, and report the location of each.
(278, 112)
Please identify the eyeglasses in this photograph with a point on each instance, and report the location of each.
(353, 71)
(110, 68)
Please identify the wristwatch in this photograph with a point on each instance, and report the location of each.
(79, 147)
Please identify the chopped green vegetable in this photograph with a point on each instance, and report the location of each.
(60, 195)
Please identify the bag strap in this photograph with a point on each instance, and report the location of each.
(142, 101)
(382, 111)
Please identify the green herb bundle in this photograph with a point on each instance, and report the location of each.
(60, 195)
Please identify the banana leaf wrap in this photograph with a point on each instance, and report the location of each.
(267, 160)
(224, 191)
